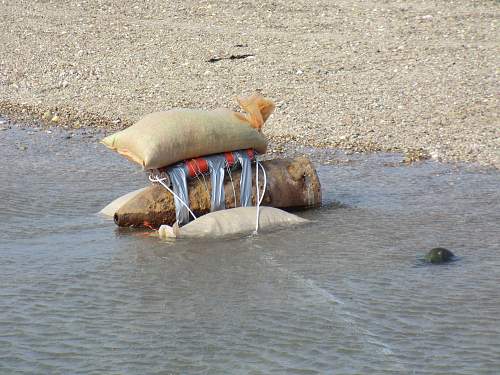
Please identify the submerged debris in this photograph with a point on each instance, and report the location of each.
(439, 255)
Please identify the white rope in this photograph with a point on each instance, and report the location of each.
(259, 198)
(160, 180)
(265, 183)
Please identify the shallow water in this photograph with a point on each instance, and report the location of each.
(347, 294)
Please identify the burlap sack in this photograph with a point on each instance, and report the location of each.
(114, 206)
(232, 221)
(163, 138)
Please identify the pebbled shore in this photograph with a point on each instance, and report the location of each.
(416, 77)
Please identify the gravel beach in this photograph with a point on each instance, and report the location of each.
(419, 77)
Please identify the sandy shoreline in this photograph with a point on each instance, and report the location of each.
(419, 78)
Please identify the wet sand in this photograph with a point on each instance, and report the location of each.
(416, 77)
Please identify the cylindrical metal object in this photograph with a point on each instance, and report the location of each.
(291, 184)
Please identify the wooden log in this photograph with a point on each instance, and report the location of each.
(291, 184)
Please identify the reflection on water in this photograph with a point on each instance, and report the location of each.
(346, 294)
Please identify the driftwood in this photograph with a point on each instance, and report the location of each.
(291, 184)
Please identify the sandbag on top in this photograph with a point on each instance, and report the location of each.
(232, 221)
(163, 138)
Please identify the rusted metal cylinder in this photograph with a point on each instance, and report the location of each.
(291, 184)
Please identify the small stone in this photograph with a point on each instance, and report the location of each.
(55, 119)
(435, 154)
(47, 115)
(299, 72)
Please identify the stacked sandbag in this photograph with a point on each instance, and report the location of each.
(119, 202)
(230, 222)
(164, 138)
(176, 143)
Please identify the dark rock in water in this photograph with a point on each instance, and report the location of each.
(439, 255)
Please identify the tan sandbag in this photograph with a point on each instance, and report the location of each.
(229, 222)
(291, 184)
(163, 138)
(114, 206)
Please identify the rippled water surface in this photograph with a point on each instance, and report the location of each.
(347, 294)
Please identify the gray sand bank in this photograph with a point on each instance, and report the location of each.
(417, 77)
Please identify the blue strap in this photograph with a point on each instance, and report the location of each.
(245, 179)
(216, 166)
(177, 174)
